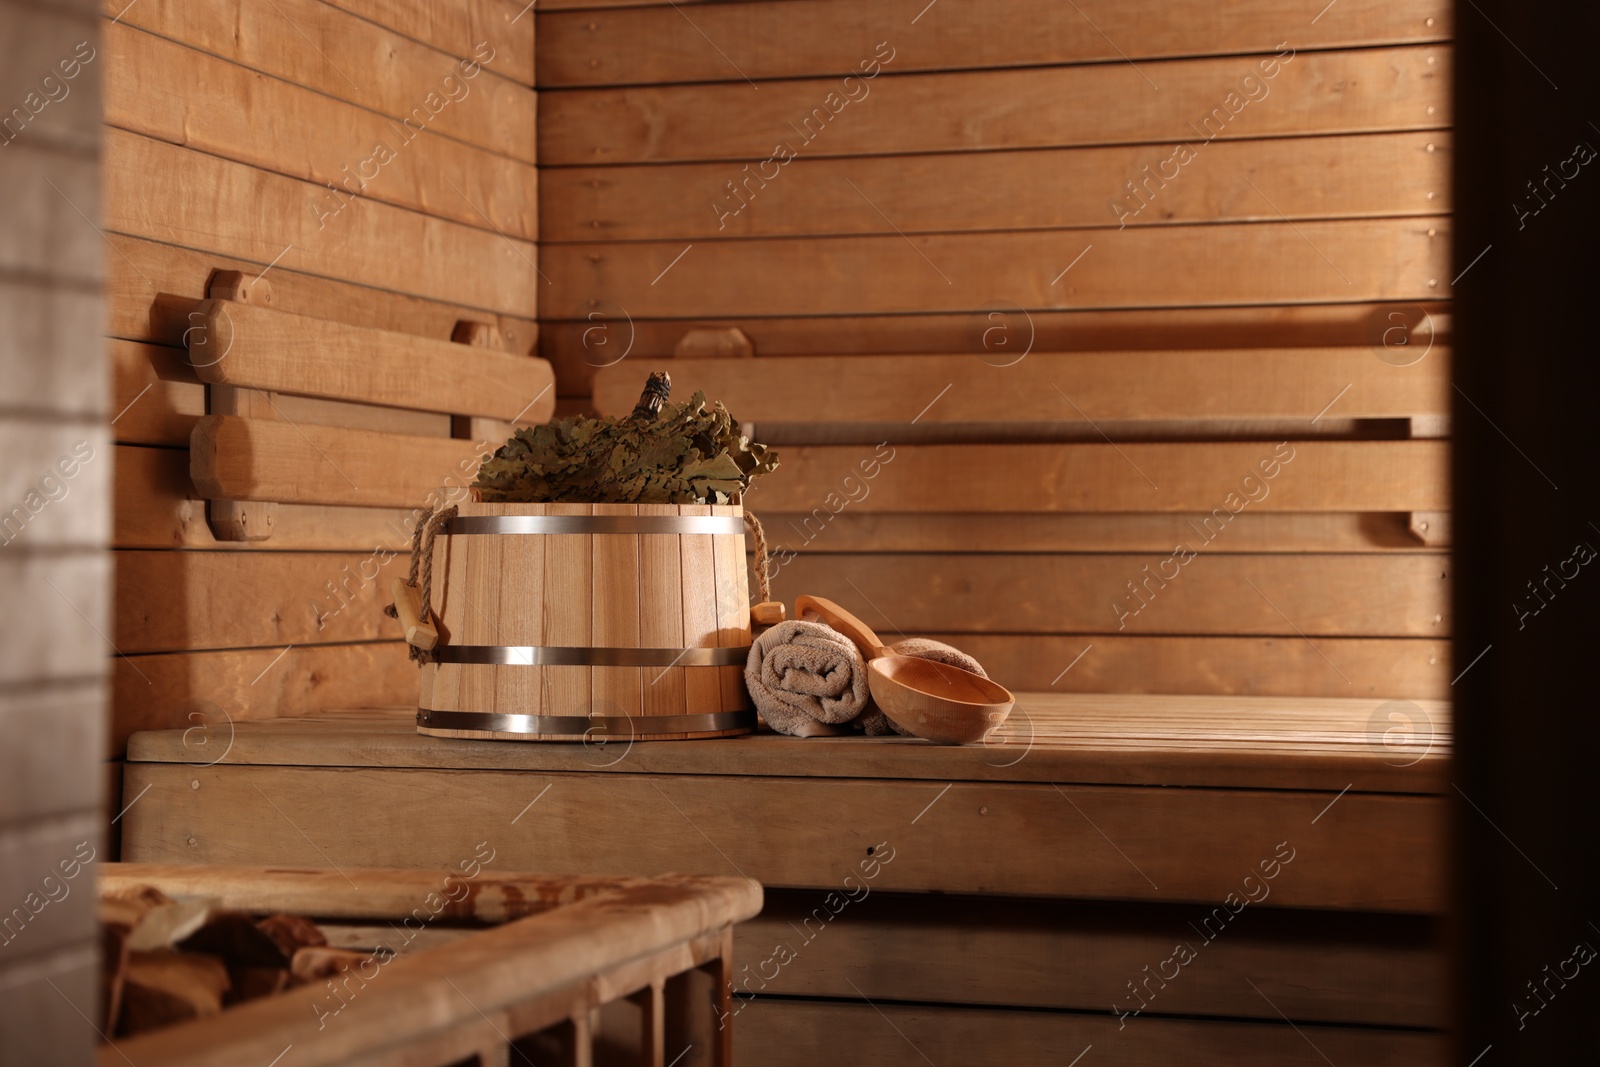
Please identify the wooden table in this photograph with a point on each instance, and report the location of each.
(1055, 869)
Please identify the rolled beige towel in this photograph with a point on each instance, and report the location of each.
(806, 678)
(874, 722)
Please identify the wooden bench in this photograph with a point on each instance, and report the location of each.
(554, 967)
(1014, 902)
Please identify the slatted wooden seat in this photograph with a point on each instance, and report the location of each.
(1167, 804)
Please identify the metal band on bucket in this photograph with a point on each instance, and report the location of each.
(619, 726)
(594, 524)
(556, 656)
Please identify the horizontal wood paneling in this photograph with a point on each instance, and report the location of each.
(188, 198)
(1216, 384)
(61, 634)
(165, 413)
(783, 1032)
(316, 45)
(1284, 666)
(237, 344)
(853, 531)
(647, 43)
(1356, 595)
(458, 27)
(998, 334)
(1322, 476)
(186, 97)
(153, 288)
(169, 601)
(157, 507)
(258, 459)
(1310, 177)
(1381, 853)
(52, 240)
(1354, 969)
(1313, 93)
(1276, 263)
(205, 691)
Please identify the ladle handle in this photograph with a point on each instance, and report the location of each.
(841, 620)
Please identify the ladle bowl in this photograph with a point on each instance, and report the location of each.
(936, 701)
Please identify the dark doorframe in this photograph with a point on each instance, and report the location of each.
(1527, 607)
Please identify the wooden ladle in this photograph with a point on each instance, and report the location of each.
(932, 700)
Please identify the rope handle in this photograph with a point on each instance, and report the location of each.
(422, 538)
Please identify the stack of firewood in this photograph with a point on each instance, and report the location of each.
(167, 961)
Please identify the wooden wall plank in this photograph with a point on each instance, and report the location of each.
(233, 458)
(183, 197)
(179, 95)
(1372, 852)
(999, 334)
(1309, 93)
(1285, 666)
(1270, 263)
(1322, 476)
(1304, 177)
(153, 289)
(653, 44)
(157, 506)
(65, 718)
(262, 348)
(782, 1032)
(320, 47)
(67, 616)
(1355, 595)
(458, 27)
(1217, 384)
(166, 411)
(47, 238)
(853, 531)
(1380, 970)
(172, 601)
(163, 691)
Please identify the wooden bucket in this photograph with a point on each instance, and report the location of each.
(583, 622)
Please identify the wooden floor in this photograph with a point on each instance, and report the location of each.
(1025, 892)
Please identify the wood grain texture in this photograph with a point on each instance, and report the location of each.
(532, 972)
(215, 205)
(1359, 91)
(615, 606)
(458, 28)
(783, 1032)
(651, 44)
(1301, 177)
(578, 349)
(186, 97)
(207, 693)
(1371, 852)
(1262, 263)
(67, 718)
(236, 344)
(156, 506)
(171, 601)
(1345, 596)
(317, 46)
(1377, 970)
(158, 399)
(253, 459)
(1323, 476)
(1415, 668)
(153, 288)
(568, 585)
(853, 531)
(1101, 738)
(1221, 384)
(698, 568)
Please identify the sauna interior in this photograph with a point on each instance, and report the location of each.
(1109, 343)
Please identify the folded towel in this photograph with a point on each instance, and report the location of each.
(806, 677)
(874, 722)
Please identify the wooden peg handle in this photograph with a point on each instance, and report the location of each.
(408, 609)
